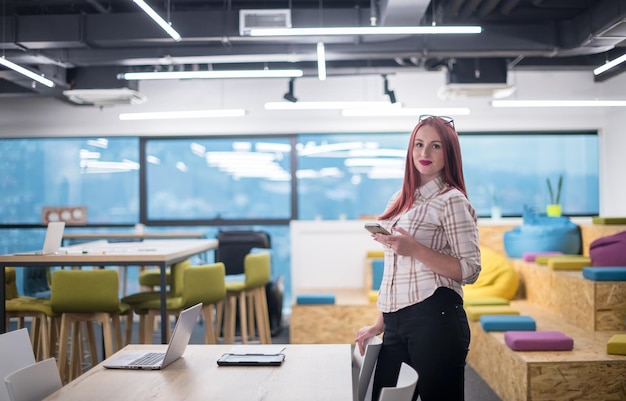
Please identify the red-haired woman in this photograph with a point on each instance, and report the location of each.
(432, 252)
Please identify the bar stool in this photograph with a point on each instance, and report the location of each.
(44, 323)
(86, 296)
(249, 296)
(175, 290)
(201, 284)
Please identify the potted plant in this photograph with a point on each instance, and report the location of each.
(554, 207)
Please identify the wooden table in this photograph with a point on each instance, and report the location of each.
(74, 238)
(133, 236)
(160, 253)
(311, 372)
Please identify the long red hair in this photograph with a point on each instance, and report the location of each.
(452, 170)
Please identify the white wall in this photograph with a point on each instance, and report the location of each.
(40, 117)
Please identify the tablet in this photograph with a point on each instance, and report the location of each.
(251, 360)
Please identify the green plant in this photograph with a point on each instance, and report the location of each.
(555, 200)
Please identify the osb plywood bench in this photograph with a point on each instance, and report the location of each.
(331, 323)
(587, 372)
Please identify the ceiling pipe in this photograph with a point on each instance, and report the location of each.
(508, 6)
(469, 8)
(487, 7)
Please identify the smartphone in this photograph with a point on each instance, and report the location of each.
(376, 228)
(251, 360)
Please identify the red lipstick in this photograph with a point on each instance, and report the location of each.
(425, 162)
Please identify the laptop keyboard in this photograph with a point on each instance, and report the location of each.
(149, 359)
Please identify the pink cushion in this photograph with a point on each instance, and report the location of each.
(538, 341)
(531, 256)
(609, 251)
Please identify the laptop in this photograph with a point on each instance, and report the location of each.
(53, 240)
(149, 360)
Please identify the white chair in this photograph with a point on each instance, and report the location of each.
(363, 367)
(33, 382)
(405, 387)
(17, 352)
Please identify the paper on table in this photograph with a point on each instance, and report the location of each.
(273, 349)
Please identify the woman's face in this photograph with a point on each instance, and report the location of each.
(428, 153)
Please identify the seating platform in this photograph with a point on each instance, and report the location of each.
(331, 324)
(585, 373)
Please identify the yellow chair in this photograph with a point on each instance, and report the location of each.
(249, 296)
(201, 284)
(44, 322)
(86, 296)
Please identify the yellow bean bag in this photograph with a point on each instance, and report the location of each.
(497, 278)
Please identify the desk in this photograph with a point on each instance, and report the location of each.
(133, 236)
(311, 372)
(161, 253)
(130, 236)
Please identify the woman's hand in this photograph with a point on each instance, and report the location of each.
(401, 242)
(364, 333)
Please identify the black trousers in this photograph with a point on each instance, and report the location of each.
(433, 337)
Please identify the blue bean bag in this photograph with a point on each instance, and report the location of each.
(543, 234)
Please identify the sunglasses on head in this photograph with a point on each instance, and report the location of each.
(445, 119)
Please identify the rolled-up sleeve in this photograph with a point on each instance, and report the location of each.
(460, 225)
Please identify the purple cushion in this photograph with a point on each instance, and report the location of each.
(538, 341)
(609, 251)
(531, 256)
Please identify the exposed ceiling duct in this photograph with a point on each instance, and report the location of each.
(73, 43)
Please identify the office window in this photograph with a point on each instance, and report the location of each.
(510, 172)
(204, 179)
(348, 176)
(99, 173)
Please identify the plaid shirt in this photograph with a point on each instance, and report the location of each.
(444, 220)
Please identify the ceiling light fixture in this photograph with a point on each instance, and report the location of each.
(172, 115)
(558, 103)
(321, 61)
(407, 112)
(289, 96)
(30, 74)
(390, 93)
(331, 105)
(167, 26)
(609, 65)
(367, 30)
(210, 74)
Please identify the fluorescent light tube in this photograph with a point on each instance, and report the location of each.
(367, 30)
(609, 65)
(321, 61)
(171, 115)
(328, 105)
(558, 103)
(26, 72)
(211, 74)
(157, 18)
(390, 111)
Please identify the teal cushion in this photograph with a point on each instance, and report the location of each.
(605, 273)
(507, 322)
(315, 299)
(378, 266)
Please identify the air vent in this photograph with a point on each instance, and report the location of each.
(105, 97)
(494, 91)
(252, 19)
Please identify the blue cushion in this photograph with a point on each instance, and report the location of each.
(378, 265)
(605, 273)
(315, 299)
(507, 322)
